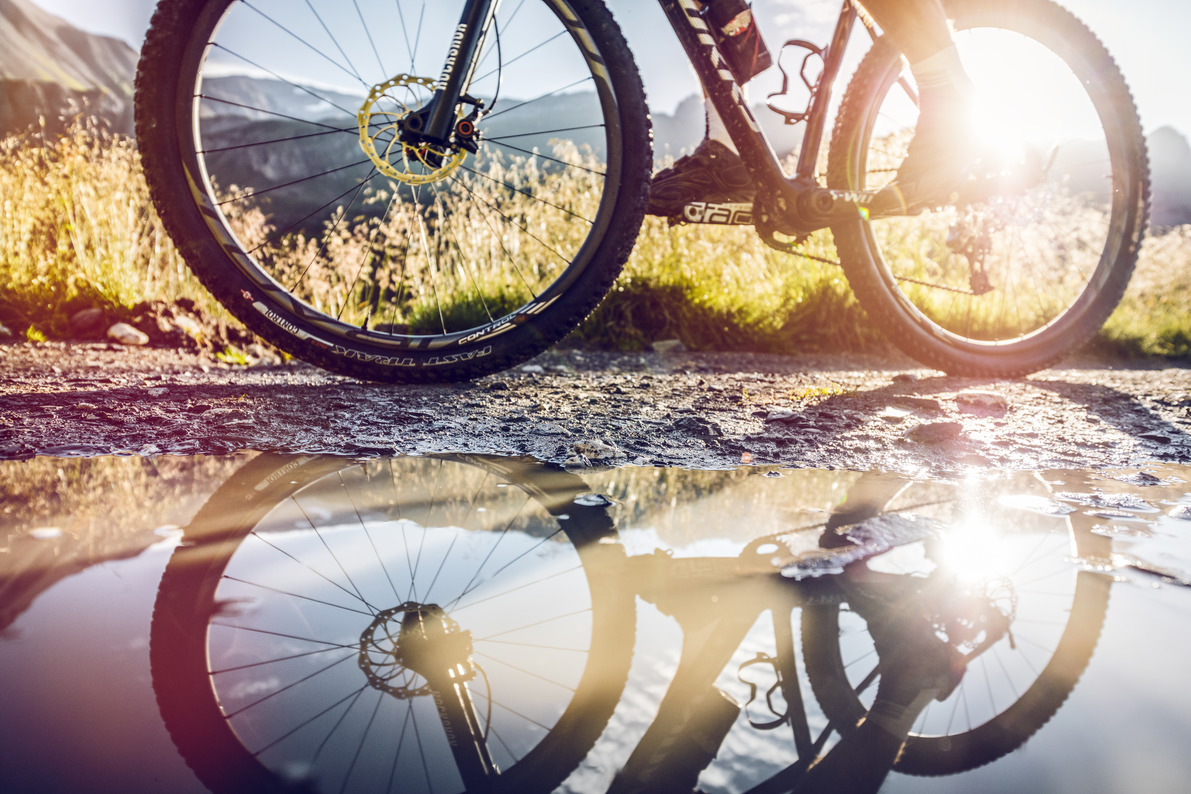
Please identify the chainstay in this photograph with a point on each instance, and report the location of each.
(795, 250)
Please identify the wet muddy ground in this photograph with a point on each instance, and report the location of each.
(580, 408)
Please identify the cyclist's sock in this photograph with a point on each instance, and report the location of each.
(941, 70)
(944, 144)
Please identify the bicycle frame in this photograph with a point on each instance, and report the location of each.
(717, 605)
(794, 205)
(728, 97)
(797, 204)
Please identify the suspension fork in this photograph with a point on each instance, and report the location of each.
(432, 646)
(436, 122)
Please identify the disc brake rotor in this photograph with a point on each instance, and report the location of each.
(380, 120)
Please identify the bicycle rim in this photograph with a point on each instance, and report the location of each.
(356, 247)
(279, 655)
(1006, 284)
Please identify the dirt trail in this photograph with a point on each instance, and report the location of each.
(683, 409)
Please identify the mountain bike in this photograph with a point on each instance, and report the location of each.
(412, 191)
(467, 623)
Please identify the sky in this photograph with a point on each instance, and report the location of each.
(1145, 36)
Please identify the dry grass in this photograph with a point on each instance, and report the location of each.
(1154, 318)
(78, 230)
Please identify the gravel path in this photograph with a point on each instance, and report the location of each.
(580, 408)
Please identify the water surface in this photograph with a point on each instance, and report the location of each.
(258, 622)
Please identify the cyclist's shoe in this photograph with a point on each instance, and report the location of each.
(713, 174)
(940, 158)
(936, 166)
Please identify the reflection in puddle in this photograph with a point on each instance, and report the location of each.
(496, 624)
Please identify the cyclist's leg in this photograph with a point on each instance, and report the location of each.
(919, 27)
(943, 146)
(916, 668)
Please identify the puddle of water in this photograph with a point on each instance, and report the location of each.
(312, 623)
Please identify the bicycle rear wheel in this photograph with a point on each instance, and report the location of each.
(1009, 284)
(272, 140)
(285, 653)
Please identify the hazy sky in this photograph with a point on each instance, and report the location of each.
(1144, 35)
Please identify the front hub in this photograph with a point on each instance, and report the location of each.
(389, 124)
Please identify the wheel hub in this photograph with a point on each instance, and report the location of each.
(414, 642)
(383, 120)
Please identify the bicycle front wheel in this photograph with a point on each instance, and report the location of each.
(276, 142)
(1008, 284)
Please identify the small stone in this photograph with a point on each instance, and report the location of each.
(593, 500)
(1181, 512)
(918, 404)
(596, 450)
(936, 432)
(125, 334)
(704, 428)
(534, 369)
(975, 401)
(86, 322)
(189, 326)
(5, 331)
(1143, 478)
(905, 377)
(669, 347)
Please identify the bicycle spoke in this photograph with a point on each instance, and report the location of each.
(275, 693)
(349, 72)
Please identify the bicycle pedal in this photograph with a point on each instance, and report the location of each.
(716, 214)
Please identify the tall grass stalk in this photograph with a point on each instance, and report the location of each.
(1154, 317)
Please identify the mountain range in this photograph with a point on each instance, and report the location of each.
(52, 73)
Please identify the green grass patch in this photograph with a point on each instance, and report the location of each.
(1154, 317)
(723, 289)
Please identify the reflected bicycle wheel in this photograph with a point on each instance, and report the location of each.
(1017, 563)
(427, 624)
